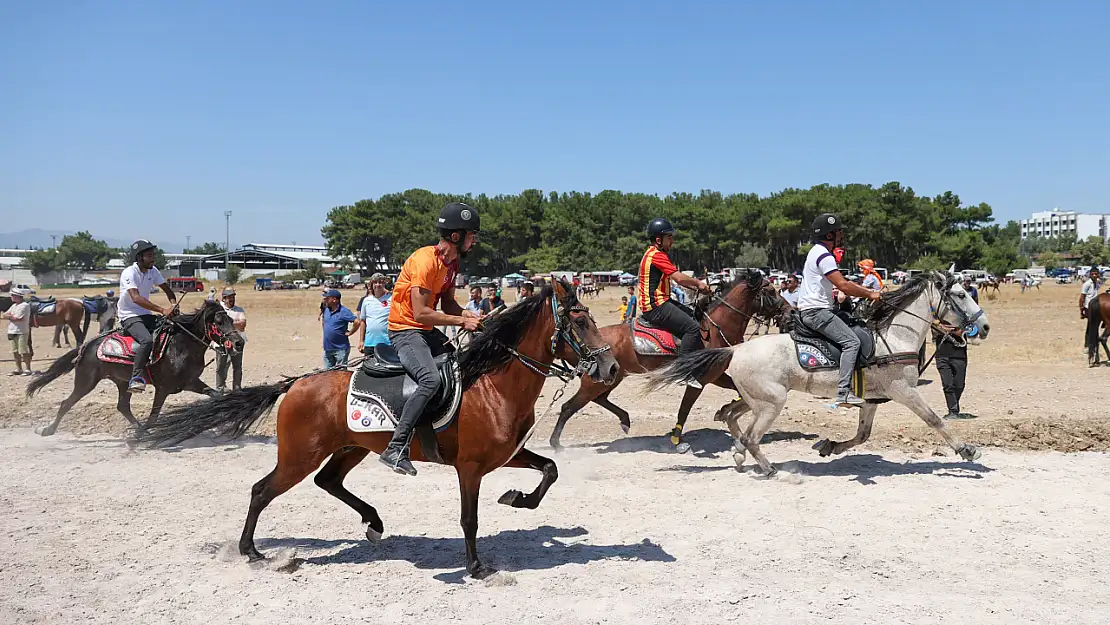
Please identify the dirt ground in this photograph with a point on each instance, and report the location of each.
(101, 533)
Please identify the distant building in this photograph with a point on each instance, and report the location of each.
(1051, 224)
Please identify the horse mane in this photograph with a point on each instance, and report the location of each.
(488, 350)
(199, 315)
(880, 317)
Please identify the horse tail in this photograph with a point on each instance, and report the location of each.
(231, 415)
(704, 364)
(85, 325)
(60, 367)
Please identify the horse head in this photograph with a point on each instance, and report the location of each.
(958, 309)
(211, 323)
(575, 324)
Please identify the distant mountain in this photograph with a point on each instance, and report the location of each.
(37, 237)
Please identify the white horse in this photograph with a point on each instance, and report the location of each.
(765, 370)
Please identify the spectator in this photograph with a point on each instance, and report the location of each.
(492, 301)
(623, 310)
(235, 361)
(632, 309)
(19, 331)
(528, 289)
(336, 318)
(790, 290)
(951, 357)
(373, 315)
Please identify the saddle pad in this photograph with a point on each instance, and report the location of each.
(95, 305)
(652, 341)
(374, 403)
(815, 354)
(45, 308)
(120, 348)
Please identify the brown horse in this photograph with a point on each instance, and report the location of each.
(723, 326)
(502, 373)
(70, 315)
(1098, 315)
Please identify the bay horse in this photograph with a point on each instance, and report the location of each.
(724, 325)
(177, 370)
(1098, 314)
(502, 370)
(767, 369)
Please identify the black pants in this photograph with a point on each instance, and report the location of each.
(236, 363)
(416, 349)
(953, 371)
(678, 320)
(141, 329)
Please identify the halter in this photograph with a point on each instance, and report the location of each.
(759, 321)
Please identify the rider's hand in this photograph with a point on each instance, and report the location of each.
(471, 314)
(703, 287)
(471, 324)
(167, 311)
(874, 295)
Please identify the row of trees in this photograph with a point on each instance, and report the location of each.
(82, 251)
(581, 231)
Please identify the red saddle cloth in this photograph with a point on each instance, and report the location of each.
(652, 340)
(120, 348)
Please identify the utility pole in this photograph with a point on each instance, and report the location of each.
(188, 241)
(227, 241)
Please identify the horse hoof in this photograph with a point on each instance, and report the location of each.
(739, 458)
(824, 448)
(555, 445)
(970, 453)
(682, 448)
(770, 473)
(511, 498)
(480, 571)
(626, 427)
(372, 534)
(45, 431)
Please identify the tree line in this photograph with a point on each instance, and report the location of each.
(606, 231)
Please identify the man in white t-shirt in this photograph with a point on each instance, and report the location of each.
(816, 304)
(1089, 291)
(790, 291)
(19, 330)
(135, 310)
(235, 361)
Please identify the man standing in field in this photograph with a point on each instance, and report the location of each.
(235, 361)
(336, 319)
(19, 331)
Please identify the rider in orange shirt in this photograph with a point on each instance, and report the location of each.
(427, 279)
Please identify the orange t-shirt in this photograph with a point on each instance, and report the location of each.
(426, 270)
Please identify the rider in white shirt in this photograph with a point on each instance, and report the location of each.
(816, 304)
(135, 310)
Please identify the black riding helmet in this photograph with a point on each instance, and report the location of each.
(458, 216)
(824, 224)
(140, 246)
(658, 227)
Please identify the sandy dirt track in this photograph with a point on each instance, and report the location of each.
(96, 532)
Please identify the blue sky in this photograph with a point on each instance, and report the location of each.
(152, 118)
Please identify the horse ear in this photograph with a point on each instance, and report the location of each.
(559, 287)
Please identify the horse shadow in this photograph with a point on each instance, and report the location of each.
(862, 468)
(509, 550)
(704, 443)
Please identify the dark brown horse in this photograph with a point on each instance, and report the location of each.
(724, 325)
(1098, 315)
(178, 370)
(502, 376)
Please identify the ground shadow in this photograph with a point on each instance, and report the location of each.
(862, 468)
(704, 443)
(510, 550)
(205, 441)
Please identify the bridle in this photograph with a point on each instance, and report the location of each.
(214, 338)
(938, 311)
(762, 300)
(564, 331)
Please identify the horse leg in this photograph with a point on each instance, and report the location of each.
(58, 330)
(198, 386)
(622, 415)
(765, 412)
(525, 459)
(123, 405)
(470, 483)
(156, 407)
(84, 381)
(1102, 339)
(910, 398)
(330, 478)
(293, 465)
(569, 408)
(866, 418)
(730, 413)
(688, 398)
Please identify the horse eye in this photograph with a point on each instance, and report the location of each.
(961, 295)
(581, 321)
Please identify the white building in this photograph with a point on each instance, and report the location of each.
(1056, 222)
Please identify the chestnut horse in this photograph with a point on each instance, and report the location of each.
(503, 371)
(70, 314)
(723, 326)
(1098, 314)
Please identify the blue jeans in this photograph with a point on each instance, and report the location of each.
(333, 357)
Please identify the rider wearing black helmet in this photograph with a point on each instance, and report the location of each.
(135, 308)
(654, 288)
(816, 304)
(427, 279)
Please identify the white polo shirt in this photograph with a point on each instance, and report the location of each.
(133, 278)
(816, 290)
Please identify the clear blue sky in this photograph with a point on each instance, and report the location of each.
(152, 118)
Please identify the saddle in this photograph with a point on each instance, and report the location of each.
(96, 305)
(380, 387)
(119, 348)
(43, 306)
(815, 352)
(649, 340)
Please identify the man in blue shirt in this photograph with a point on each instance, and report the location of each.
(336, 320)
